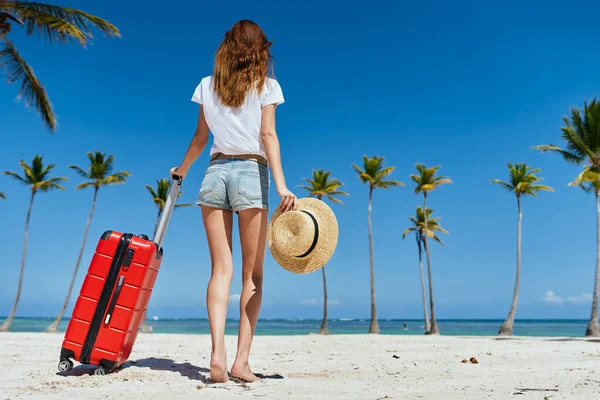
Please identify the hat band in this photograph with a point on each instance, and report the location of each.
(315, 239)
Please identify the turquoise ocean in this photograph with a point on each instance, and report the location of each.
(454, 327)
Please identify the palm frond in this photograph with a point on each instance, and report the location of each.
(331, 198)
(567, 156)
(114, 179)
(539, 188)
(307, 188)
(32, 90)
(361, 174)
(407, 231)
(184, 205)
(151, 191)
(50, 184)
(2, 196)
(60, 23)
(83, 185)
(384, 172)
(503, 184)
(339, 193)
(16, 176)
(437, 239)
(80, 171)
(388, 184)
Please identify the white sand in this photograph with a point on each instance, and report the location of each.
(315, 367)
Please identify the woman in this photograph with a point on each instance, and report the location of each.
(237, 104)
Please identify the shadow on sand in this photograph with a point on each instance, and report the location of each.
(186, 370)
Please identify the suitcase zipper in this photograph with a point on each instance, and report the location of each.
(113, 302)
(104, 298)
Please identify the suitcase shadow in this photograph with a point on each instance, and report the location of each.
(186, 370)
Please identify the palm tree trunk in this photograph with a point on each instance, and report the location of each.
(144, 325)
(427, 324)
(593, 329)
(433, 329)
(323, 329)
(374, 326)
(54, 325)
(5, 327)
(507, 327)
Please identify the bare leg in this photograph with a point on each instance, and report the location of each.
(253, 235)
(218, 225)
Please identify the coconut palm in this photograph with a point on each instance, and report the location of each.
(36, 176)
(418, 227)
(522, 182)
(580, 135)
(53, 23)
(374, 175)
(97, 176)
(159, 197)
(427, 181)
(322, 186)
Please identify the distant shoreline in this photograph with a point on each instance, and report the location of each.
(300, 326)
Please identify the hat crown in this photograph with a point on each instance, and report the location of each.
(304, 239)
(294, 233)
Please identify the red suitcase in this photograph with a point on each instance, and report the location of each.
(113, 298)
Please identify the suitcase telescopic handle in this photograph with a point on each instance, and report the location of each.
(159, 235)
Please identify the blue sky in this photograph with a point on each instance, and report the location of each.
(467, 85)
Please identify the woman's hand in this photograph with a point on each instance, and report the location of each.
(288, 200)
(181, 172)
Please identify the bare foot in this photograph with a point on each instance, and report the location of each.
(218, 368)
(242, 371)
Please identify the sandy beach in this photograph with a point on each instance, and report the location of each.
(315, 367)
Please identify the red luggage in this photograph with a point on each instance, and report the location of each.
(113, 298)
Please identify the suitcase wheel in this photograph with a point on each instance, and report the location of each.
(65, 365)
(101, 371)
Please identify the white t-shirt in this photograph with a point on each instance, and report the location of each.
(236, 130)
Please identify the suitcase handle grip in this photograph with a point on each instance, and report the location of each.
(165, 216)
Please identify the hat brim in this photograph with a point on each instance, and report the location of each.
(326, 241)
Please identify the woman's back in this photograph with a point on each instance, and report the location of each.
(236, 130)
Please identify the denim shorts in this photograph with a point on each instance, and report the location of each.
(235, 185)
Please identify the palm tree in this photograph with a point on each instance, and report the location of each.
(583, 147)
(99, 175)
(159, 197)
(374, 175)
(37, 178)
(54, 23)
(427, 181)
(418, 227)
(523, 182)
(321, 186)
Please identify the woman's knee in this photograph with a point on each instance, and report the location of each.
(222, 270)
(256, 278)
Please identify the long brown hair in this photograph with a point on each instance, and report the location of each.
(242, 63)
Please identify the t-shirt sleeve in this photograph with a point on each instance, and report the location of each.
(271, 93)
(197, 96)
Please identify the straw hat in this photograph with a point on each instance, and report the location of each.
(303, 240)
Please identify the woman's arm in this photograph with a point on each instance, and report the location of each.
(270, 141)
(196, 146)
